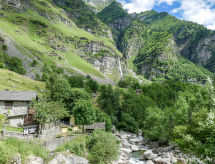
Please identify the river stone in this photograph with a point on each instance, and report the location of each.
(125, 143)
(126, 150)
(34, 160)
(16, 159)
(134, 148)
(160, 160)
(68, 158)
(135, 140)
(149, 162)
(150, 155)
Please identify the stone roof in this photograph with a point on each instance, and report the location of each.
(17, 95)
(96, 125)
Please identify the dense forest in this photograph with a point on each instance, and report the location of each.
(171, 111)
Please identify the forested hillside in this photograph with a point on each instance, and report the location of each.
(148, 73)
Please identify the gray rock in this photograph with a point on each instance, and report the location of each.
(16, 159)
(160, 160)
(150, 155)
(135, 140)
(68, 158)
(149, 162)
(34, 160)
(125, 143)
(134, 148)
(126, 150)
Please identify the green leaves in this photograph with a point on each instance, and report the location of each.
(48, 111)
(103, 147)
(83, 112)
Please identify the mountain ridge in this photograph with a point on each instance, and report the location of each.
(71, 36)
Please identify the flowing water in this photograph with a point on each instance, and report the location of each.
(135, 157)
(120, 67)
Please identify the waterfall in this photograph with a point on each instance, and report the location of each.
(120, 67)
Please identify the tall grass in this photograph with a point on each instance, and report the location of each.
(13, 146)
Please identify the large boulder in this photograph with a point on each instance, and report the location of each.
(160, 160)
(68, 158)
(125, 143)
(125, 150)
(150, 155)
(34, 160)
(135, 140)
(134, 148)
(149, 162)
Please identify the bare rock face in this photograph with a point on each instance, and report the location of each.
(14, 3)
(68, 158)
(34, 160)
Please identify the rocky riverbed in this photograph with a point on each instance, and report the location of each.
(135, 149)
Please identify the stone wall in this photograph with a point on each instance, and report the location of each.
(16, 121)
(2, 108)
(19, 109)
(54, 143)
(51, 130)
(19, 135)
(51, 144)
(16, 114)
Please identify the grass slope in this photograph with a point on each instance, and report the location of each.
(42, 34)
(13, 81)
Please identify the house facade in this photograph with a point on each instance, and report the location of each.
(15, 106)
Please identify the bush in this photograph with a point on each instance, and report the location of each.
(4, 47)
(14, 64)
(155, 125)
(128, 123)
(103, 147)
(34, 63)
(76, 146)
(12, 146)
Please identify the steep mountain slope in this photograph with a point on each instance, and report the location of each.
(83, 16)
(98, 5)
(41, 34)
(13, 81)
(116, 18)
(194, 41)
(160, 47)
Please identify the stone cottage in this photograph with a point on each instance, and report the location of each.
(15, 106)
(95, 126)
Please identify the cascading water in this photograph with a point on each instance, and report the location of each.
(120, 67)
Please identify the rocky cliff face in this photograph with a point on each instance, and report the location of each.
(46, 33)
(116, 18)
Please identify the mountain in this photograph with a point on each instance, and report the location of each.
(65, 34)
(70, 36)
(160, 46)
(98, 5)
(156, 49)
(116, 18)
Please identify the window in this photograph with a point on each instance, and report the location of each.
(9, 105)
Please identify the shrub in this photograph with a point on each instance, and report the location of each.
(103, 147)
(76, 146)
(128, 123)
(34, 63)
(12, 146)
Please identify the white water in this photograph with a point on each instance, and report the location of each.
(120, 67)
(135, 161)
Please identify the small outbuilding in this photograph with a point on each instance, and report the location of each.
(15, 106)
(95, 126)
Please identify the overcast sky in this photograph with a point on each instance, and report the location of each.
(199, 11)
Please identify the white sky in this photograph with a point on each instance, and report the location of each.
(199, 11)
